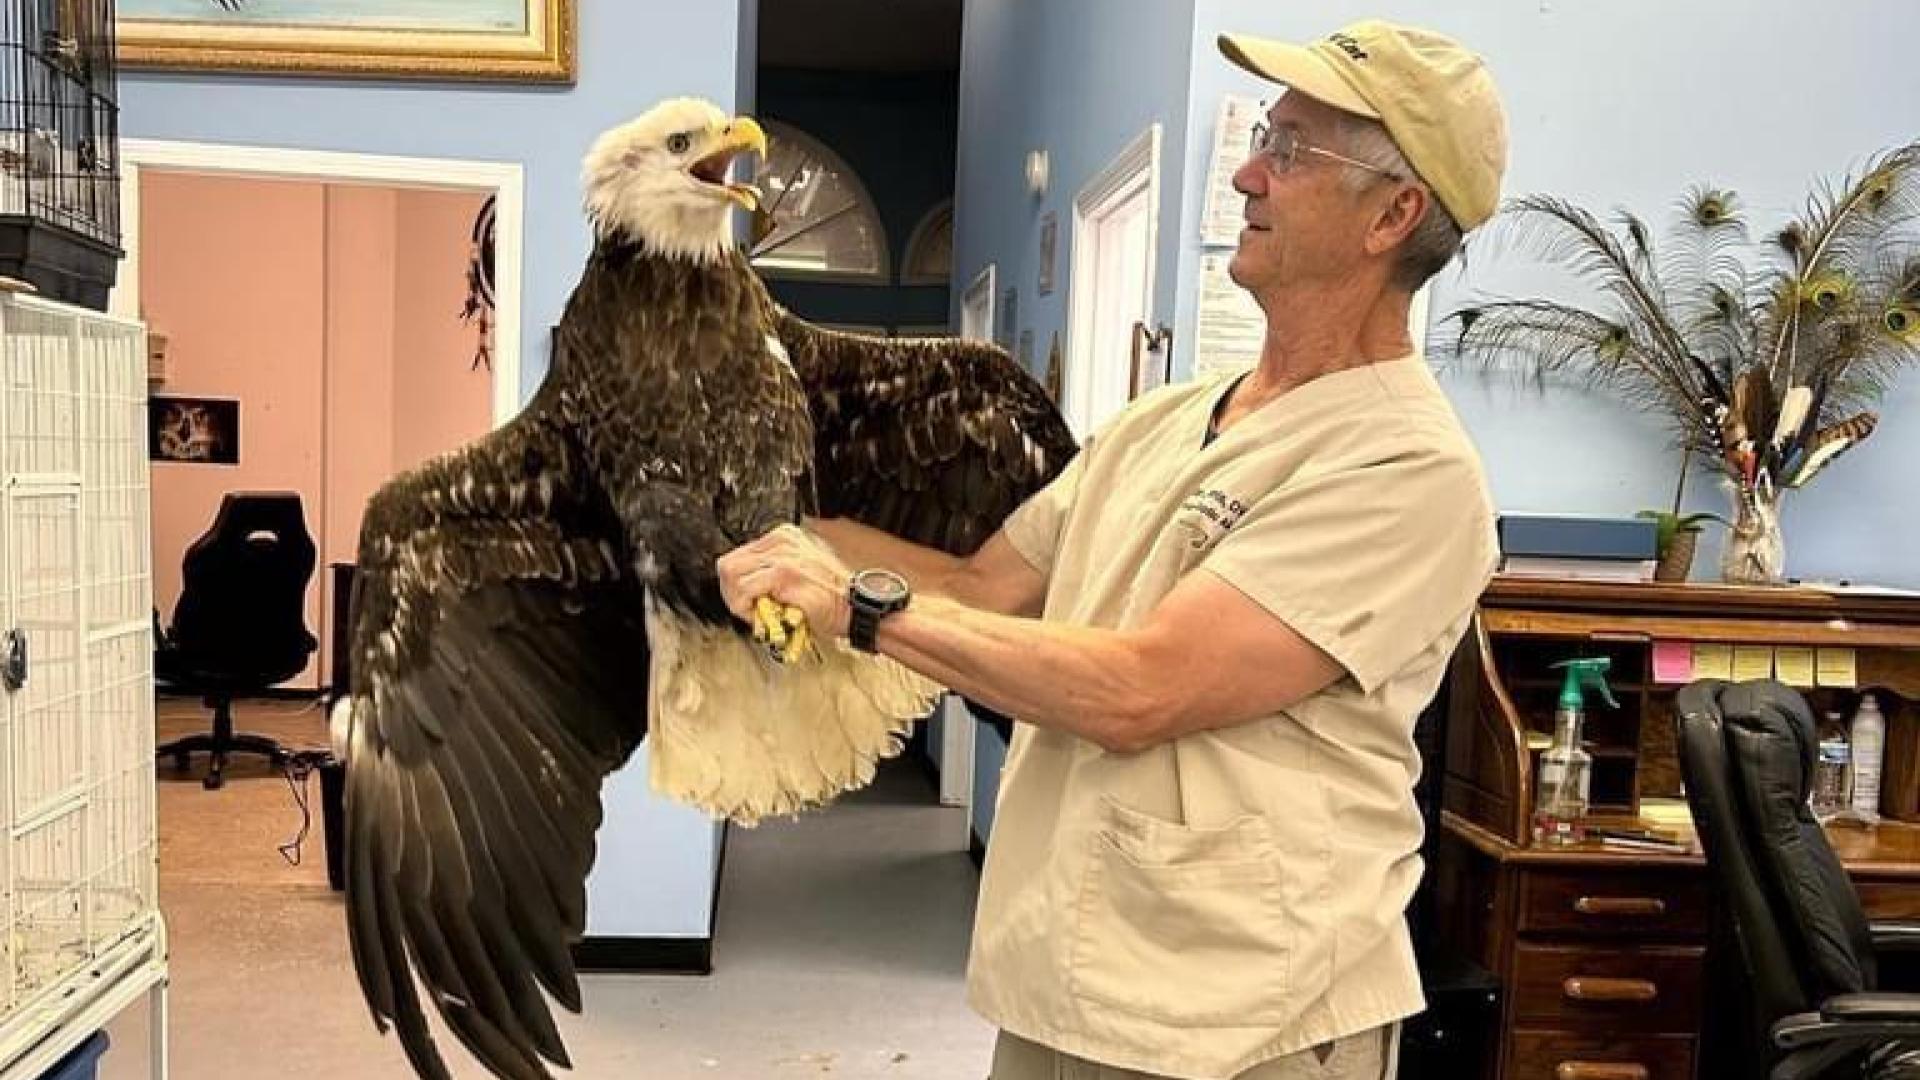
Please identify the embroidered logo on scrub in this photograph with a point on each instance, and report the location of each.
(1207, 515)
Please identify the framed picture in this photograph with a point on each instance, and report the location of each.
(198, 431)
(1049, 244)
(503, 40)
(1152, 359)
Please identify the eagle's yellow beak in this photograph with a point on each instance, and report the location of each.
(743, 134)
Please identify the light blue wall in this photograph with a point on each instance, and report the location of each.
(1628, 103)
(989, 757)
(655, 875)
(1080, 79)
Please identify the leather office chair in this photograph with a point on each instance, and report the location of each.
(1802, 951)
(240, 624)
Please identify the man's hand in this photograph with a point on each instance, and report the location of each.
(795, 571)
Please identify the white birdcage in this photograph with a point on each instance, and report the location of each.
(80, 913)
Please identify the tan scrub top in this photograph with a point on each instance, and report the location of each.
(1236, 895)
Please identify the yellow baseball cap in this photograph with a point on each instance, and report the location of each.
(1435, 98)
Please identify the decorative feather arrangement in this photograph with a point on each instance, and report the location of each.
(1768, 367)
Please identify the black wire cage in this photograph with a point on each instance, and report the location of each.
(59, 148)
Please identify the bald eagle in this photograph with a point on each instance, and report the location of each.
(532, 606)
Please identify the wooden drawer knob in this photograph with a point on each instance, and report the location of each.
(1586, 988)
(1640, 907)
(1600, 1070)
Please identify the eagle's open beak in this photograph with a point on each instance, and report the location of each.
(741, 135)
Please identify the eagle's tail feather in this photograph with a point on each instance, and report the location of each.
(738, 735)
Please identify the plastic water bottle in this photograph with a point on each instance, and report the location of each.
(1869, 744)
(1830, 794)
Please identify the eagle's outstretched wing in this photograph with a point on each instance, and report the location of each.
(935, 440)
(499, 674)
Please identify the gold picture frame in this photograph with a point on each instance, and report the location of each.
(316, 37)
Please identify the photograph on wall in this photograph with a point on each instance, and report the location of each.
(199, 431)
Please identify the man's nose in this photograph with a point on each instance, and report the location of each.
(1250, 179)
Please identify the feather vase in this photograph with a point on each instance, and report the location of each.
(1756, 552)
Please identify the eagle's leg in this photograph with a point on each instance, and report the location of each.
(784, 630)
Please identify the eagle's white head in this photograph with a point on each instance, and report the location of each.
(662, 179)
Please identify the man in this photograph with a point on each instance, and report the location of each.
(1246, 590)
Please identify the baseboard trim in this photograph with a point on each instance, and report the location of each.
(640, 955)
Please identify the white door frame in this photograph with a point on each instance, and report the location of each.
(982, 287)
(1137, 164)
(506, 180)
(958, 728)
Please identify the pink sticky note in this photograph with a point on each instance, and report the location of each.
(1672, 661)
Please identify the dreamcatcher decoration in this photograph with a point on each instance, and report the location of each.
(480, 285)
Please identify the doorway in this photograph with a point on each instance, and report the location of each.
(1115, 224)
(301, 284)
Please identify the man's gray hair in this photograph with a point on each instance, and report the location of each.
(1436, 238)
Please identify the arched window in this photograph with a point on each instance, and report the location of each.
(815, 219)
(929, 257)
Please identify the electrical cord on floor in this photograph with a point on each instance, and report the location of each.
(299, 769)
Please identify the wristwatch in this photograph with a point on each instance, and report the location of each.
(871, 596)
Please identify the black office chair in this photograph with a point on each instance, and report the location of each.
(1802, 952)
(240, 624)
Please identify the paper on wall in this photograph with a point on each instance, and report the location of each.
(1231, 327)
(1232, 134)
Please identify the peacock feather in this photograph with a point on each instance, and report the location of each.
(1765, 357)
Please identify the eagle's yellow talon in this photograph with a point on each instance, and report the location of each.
(800, 644)
(768, 624)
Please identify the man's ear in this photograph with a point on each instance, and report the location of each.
(1398, 217)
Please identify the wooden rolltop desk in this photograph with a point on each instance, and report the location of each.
(1601, 948)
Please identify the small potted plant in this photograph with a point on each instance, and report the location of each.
(1676, 534)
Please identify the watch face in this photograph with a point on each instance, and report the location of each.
(883, 586)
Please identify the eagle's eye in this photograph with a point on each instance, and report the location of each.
(679, 142)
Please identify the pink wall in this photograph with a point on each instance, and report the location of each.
(228, 273)
(332, 313)
(439, 400)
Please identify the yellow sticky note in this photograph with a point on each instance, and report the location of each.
(1793, 664)
(1712, 661)
(1752, 662)
(1834, 667)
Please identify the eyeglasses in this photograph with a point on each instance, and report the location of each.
(1282, 148)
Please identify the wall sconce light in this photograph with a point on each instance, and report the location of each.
(1037, 173)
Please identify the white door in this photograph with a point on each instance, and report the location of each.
(1114, 240)
(976, 307)
(950, 738)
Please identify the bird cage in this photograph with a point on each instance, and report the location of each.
(59, 148)
(80, 929)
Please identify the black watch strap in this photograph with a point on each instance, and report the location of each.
(863, 626)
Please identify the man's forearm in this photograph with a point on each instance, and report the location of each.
(928, 570)
(1096, 684)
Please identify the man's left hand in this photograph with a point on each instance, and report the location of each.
(796, 570)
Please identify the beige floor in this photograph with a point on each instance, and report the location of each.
(840, 949)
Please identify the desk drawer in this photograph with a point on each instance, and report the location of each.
(1667, 903)
(1557, 1055)
(1608, 989)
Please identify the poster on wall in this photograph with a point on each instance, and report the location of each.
(198, 431)
(1231, 326)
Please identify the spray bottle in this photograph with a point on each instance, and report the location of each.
(1566, 770)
